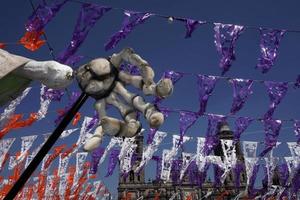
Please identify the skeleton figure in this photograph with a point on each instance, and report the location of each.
(100, 78)
(17, 72)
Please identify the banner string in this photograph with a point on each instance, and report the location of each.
(172, 17)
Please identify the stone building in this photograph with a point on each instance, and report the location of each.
(136, 185)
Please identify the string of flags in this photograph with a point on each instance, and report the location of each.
(66, 181)
(73, 180)
(242, 90)
(226, 35)
(170, 166)
(10, 121)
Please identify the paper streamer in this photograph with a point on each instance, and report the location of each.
(126, 144)
(64, 134)
(83, 134)
(126, 161)
(297, 130)
(271, 164)
(250, 164)
(294, 149)
(158, 161)
(292, 164)
(211, 139)
(126, 153)
(51, 94)
(113, 142)
(200, 157)
(32, 40)
(276, 92)
(26, 144)
(166, 165)
(10, 109)
(43, 14)
(176, 166)
(173, 76)
(63, 112)
(113, 161)
(62, 171)
(191, 26)
(230, 158)
(80, 161)
(56, 152)
(177, 142)
(132, 19)
(242, 89)
(269, 45)
(88, 16)
(226, 36)
(150, 149)
(186, 120)
(206, 85)
(96, 156)
(44, 105)
(187, 159)
(241, 124)
(272, 129)
(4, 148)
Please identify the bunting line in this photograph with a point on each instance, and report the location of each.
(180, 19)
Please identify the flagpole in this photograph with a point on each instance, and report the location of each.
(46, 148)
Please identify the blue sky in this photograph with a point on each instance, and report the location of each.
(163, 45)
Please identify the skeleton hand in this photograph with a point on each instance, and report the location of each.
(102, 79)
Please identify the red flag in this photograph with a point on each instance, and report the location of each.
(41, 184)
(82, 180)
(57, 151)
(70, 181)
(76, 119)
(16, 122)
(2, 45)
(32, 41)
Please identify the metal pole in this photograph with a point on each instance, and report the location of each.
(46, 148)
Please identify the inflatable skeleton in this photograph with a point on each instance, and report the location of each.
(102, 79)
